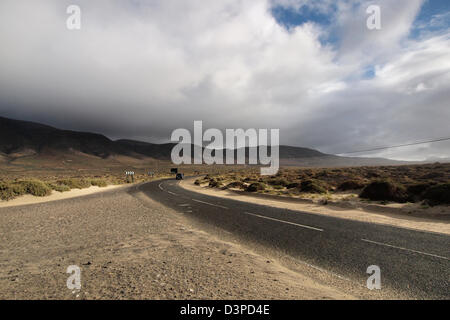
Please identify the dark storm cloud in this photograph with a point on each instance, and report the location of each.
(141, 69)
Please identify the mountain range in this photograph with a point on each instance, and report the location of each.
(19, 139)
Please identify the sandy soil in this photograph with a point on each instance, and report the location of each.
(387, 215)
(29, 199)
(130, 247)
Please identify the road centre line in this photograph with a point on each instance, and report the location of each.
(405, 249)
(286, 222)
(210, 204)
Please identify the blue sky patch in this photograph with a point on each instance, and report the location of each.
(369, 72)
(433, 17)
(289, 17)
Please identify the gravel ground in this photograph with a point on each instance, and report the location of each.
(130, 247)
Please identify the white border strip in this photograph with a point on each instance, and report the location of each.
(405, 249)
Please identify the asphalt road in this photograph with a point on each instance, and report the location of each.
(416, 263)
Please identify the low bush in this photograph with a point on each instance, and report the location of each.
(7, 191)
(59, 187)
(293, 185)
(11, 190)
(278, 182)
(213, 183)
(99, 183)
(254, 187)
(312, 186)
(351, 185)
(418, 189)
(36, 188)
(431, 175)
(75, 183)
(384, 190)
(437, 195)
(235, 185)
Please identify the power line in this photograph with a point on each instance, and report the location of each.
(398, 146)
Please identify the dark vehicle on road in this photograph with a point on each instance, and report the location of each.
(180, 176)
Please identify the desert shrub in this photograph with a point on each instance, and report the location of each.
(312, 186)
(235, 184)
(323, 174)
(293, 185)
(372, 174)
(351, 185)
(306, 172)
(8, 191)
(431, 175)
(75, 183)
(254, 187)
(213, 183)
(278, 182)
(439, 194)
(384, 190)
(59, 187)
(34, 187)
(418, 189)
(99, 183)
(197, 182)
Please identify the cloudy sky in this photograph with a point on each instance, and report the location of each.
(142, 68)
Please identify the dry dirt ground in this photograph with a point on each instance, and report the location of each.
(130, 247)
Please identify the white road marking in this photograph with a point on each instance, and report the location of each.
(162, 189)
(210, 204)
(405, 249)
(282, 221)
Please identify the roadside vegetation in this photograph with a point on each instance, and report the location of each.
(427, 184)
(13, 189)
